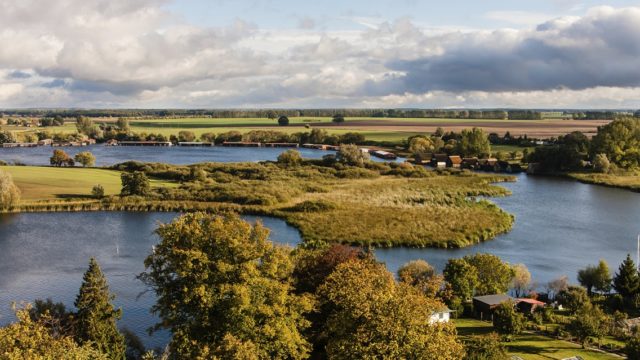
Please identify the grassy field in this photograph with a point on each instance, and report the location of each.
(43, 183)
(377, 129)
(629, 181)
(531, 346)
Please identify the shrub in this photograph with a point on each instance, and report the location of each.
(283, 121)
(601, 163)
(135, 183)
(290, 157)
(9, 192)
(484, 347)
(97, 191)
(507, 320)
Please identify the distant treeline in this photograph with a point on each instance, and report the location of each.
(273, 113)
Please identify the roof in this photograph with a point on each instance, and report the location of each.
(530, 301)
(455, 159)
(496, 299)
(440, 157)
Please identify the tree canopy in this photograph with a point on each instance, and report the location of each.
(620, 142)
(135, 183)
(9, 192)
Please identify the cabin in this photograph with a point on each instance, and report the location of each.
(241, 144)
(422, 158)
(528, 306)
(282, 145)
(485, 305)
(488, 164)
(442, 315)
(145, 143)
(454, 161)
(45, 142)
(471, 163)
(439, 160)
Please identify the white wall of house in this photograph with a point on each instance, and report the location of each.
(440, 317)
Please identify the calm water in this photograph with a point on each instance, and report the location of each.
(179, 155)
(561, 226)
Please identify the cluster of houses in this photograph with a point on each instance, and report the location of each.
(471, 163)
(49, 142)
(484, 306)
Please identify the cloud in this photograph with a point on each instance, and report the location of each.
(122, 53)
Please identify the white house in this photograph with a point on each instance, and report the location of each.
(441, 316)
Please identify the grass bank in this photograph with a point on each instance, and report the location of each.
(629, 181)
(383, 205)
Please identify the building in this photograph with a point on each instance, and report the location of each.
(485, 305)
(454, 161)
(439, 160)
(528, 306)
(471, 163)
(441, 316)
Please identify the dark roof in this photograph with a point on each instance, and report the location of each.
(440, 157)
(493, 299)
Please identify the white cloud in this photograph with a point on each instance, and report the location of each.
(112, 53)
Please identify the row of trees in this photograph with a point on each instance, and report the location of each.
(474, 142)
(61, 158)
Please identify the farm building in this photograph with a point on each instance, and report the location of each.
(485, 305)
(528, 306)
(439, 160)
(471, 163)
(454, 161)
(441, 316)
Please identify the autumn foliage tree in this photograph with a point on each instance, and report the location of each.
(223, 288)
(9, 192)
(373, 317)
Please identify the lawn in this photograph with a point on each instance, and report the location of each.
(43, 183)
(629, 181)
(531, 346)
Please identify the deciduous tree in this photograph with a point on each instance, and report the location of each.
(135, 183)
(494, 276)
(9, 192)
(85, 158)
(507, 320)
(462, 276)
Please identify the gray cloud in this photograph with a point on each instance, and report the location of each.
(601, 49)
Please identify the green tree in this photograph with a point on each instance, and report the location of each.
(373, 317)
(422, 276)
(507, 320)
(135, 183)
(123, 125)
(632, 347)
(462, 276)
(595, 278)
(85, 158)
(208, 137)
(9, 192)
(186, 136)
(95, 320)
(283, 121)
(601, 163)
(221, 286)
(338, 118)
(421, 144)
(619, 140)
(290, 158)
(352, 155)
(573, 298)
(7, 137)
(36, 339)
(485, 347)
(61, 158)
(590, 321)
(494, 276)
(626, 281)
(271, 114)
(85, 126)
(474, 142)
(97, 191)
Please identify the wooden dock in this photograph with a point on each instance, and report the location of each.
(241, 144)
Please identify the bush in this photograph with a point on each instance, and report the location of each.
(97, 191)
(601, 163)
(313, 206)
(485, 347)
(352, 155)
(85, 158)
(283, 121)
(290, 157)
(507, 320)
(9, 192)
(338, 119)
(135, 183)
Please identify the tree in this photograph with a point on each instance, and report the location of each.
(352, 155)
(283, 121)
(97, 191)
(632, 347)
(507, 320)
(474, 142)
(135, 183)
(494, 276)
(271, 114)
(373, 317)
(558, 285)
(123, 125)
(7, 137)
(521, 279)
(422, 276)
(9, 192)
(61, 158)
(338, 118)
(290, 157)
(85, 158)
(462, 276)
(573, 298)
(485, 347)
(234, 292)
(626, 281)
(186, 136)
(422, 144)
(619, 140)
(34, 339)
(86, 126)
(312, 267)
(595, 278)
(590, 321)
(208, 137)
(601, 163)
(95, 320)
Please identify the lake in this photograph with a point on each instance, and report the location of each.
(561, 226)
(178, 155)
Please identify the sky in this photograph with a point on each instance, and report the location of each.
(306, 54)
